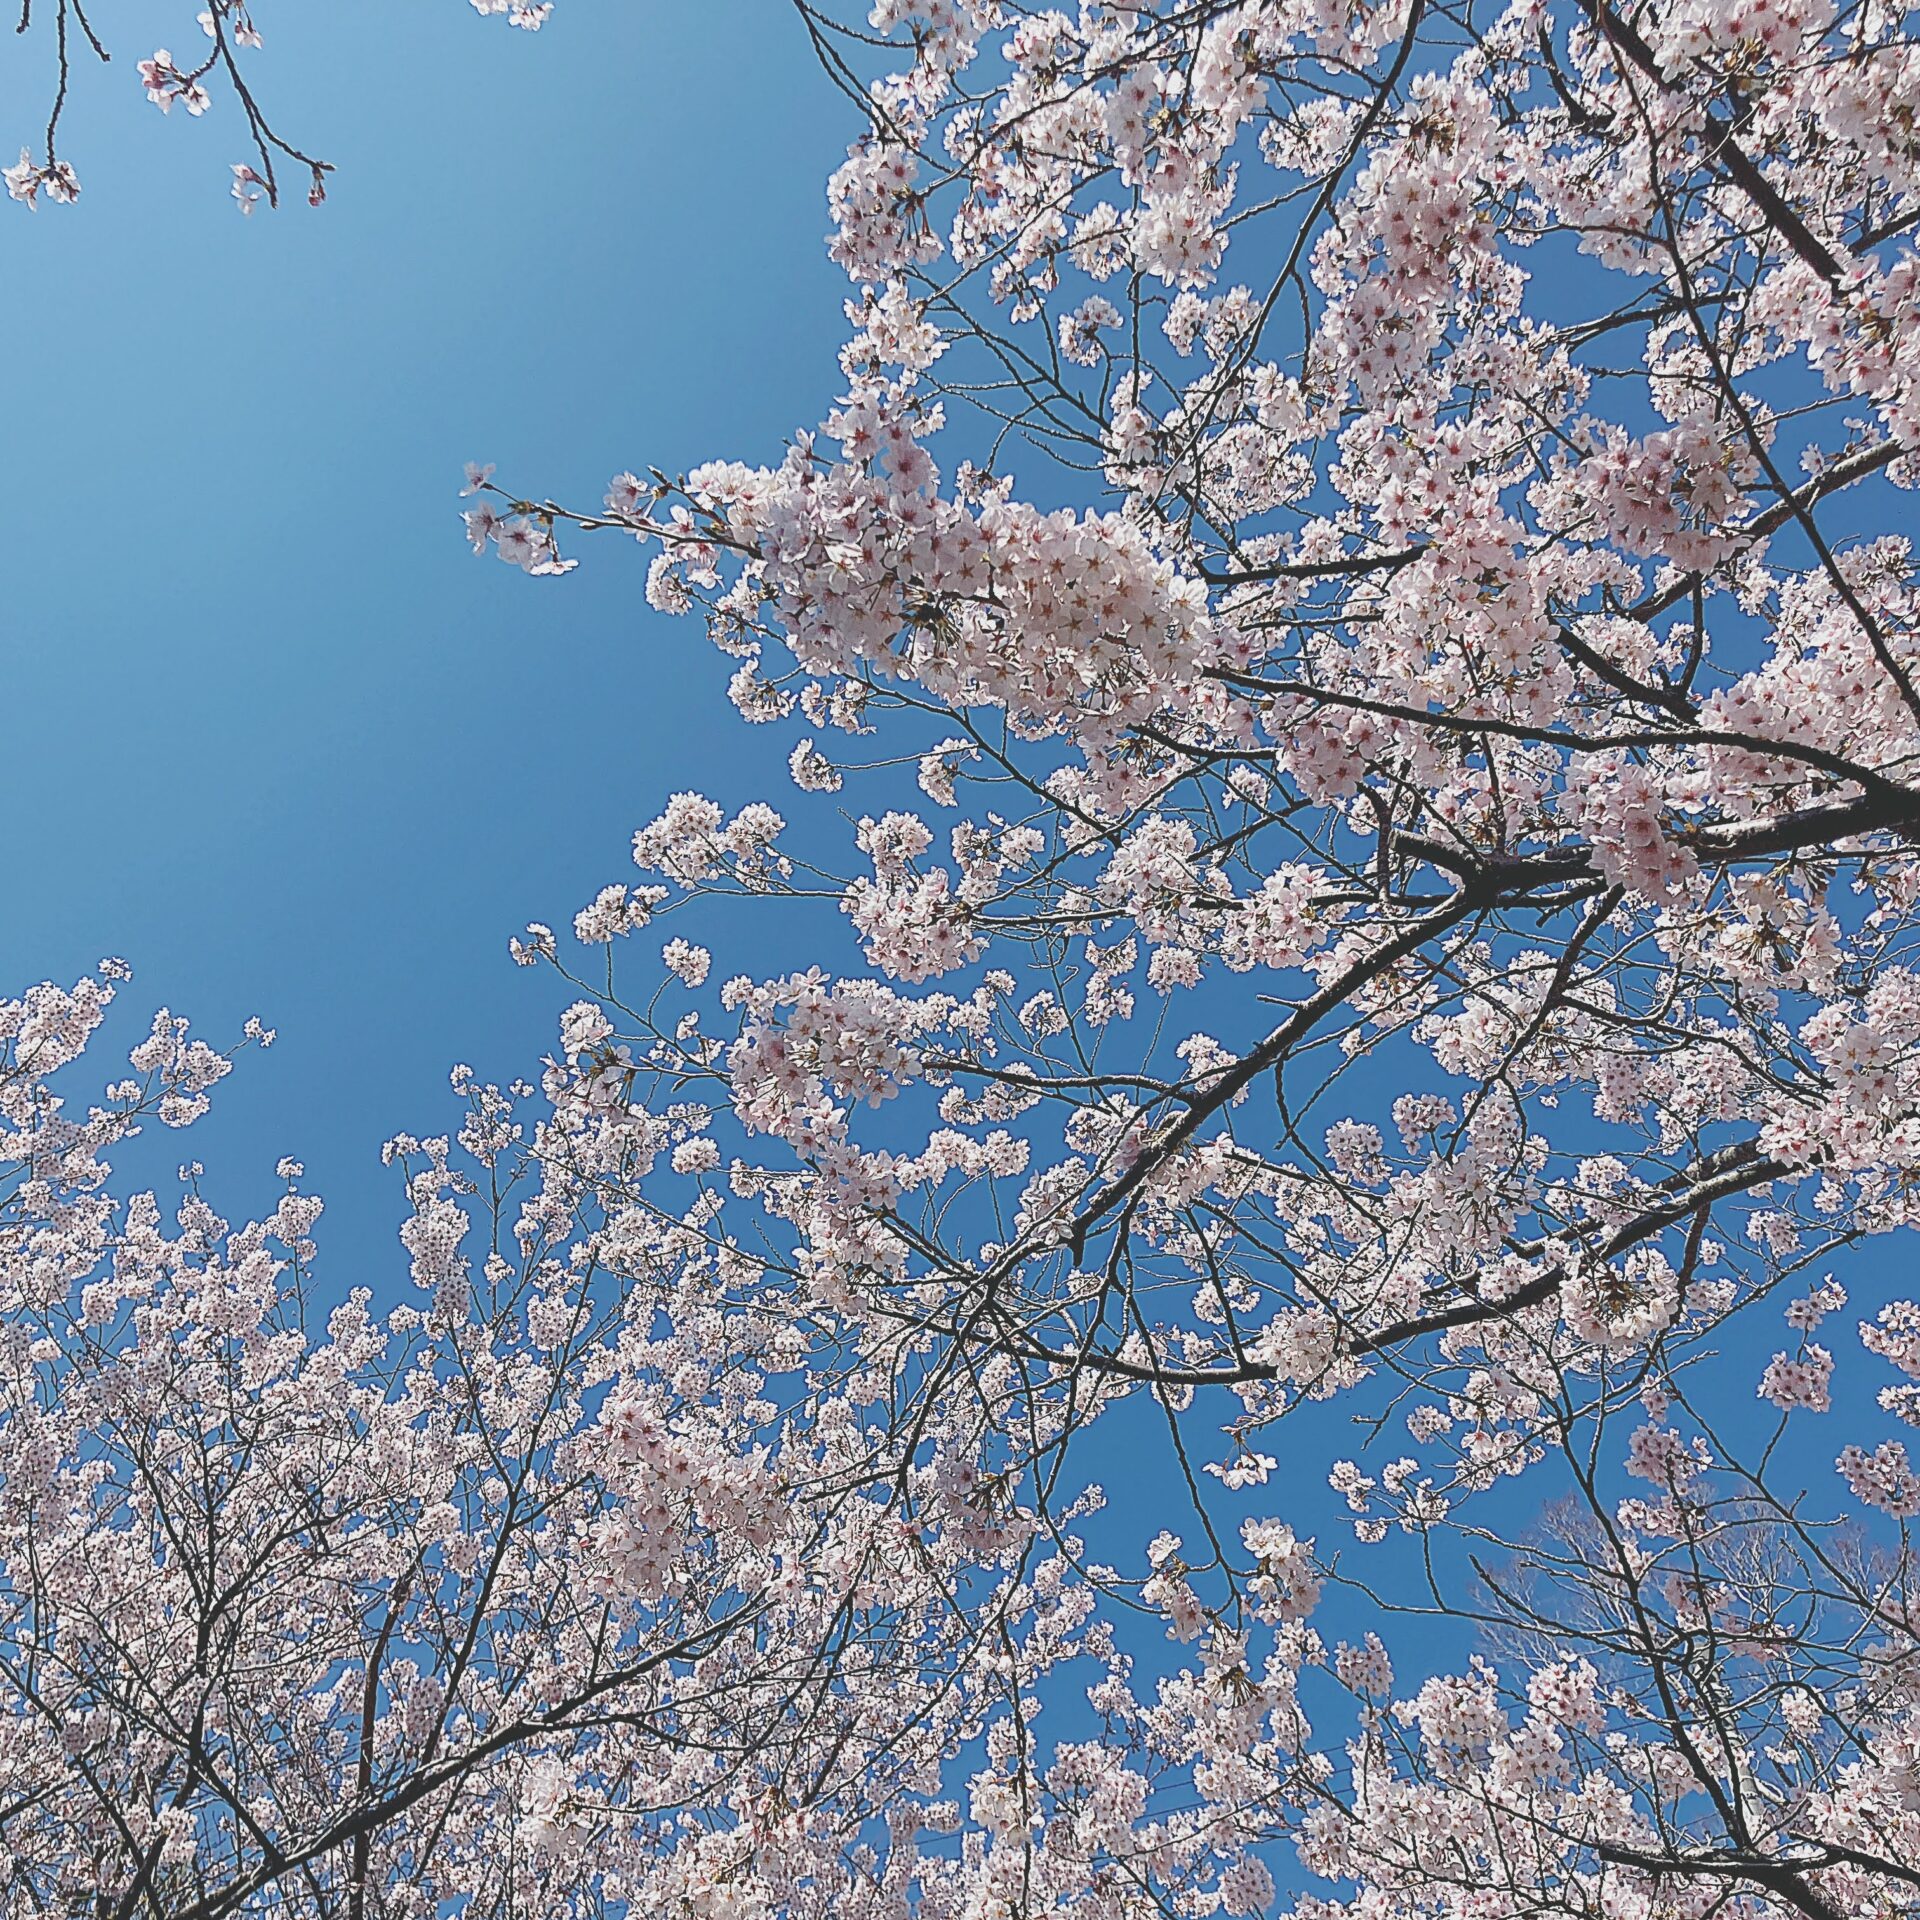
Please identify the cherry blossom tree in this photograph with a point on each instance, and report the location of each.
(1376, 1015)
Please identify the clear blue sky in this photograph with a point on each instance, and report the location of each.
(273, 733)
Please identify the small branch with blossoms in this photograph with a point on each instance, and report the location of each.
(229, 27)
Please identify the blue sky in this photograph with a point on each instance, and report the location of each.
(274, 734)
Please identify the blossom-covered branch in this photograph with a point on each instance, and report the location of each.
(229, 33)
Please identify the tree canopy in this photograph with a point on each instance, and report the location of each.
(1348, 655)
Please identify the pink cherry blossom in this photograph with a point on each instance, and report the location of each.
(1253, 1326)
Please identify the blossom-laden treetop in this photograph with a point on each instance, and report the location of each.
(1348, 654)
